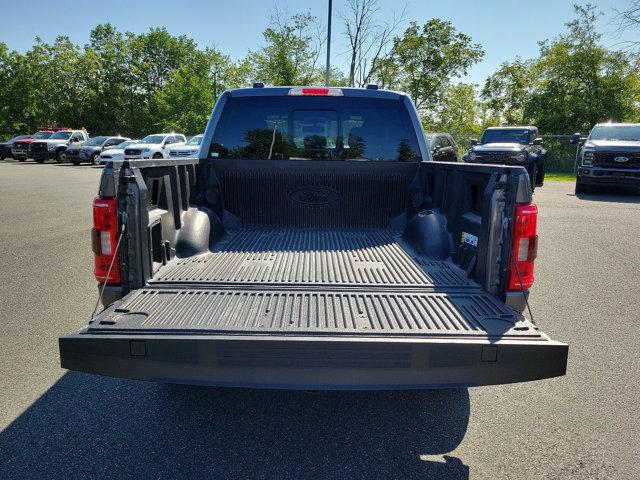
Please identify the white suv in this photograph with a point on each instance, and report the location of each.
(154, 146)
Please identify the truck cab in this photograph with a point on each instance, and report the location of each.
(511, 146)
(314, 244)
(610, 155)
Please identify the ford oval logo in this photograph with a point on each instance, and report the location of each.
(621, 159)
(314, 195)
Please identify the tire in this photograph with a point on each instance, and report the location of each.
(61, 156)
(22, 159)
(581, 188)
(95, 159)
(157, 156)
(75, 162)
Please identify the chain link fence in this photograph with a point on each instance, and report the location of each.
(561, 155)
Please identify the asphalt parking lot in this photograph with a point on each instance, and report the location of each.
(58, 424)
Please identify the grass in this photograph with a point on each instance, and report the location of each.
(560, 177)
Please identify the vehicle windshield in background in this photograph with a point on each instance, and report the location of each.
(95, 141)
(61, 136)
(197, 140)
(153, 139)
(629, 133)
(506, 135)
(126, 143)
(41, 135)
(430, 139)
(318, 128)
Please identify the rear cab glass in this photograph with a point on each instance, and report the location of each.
(315, 128)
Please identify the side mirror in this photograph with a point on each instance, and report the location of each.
(537, 141)
(575, 138)
(474, 142)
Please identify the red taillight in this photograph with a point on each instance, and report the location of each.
(105, 240)
(525, 247)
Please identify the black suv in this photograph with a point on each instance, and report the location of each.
(610, 155)
(442, 147)
(511, 146)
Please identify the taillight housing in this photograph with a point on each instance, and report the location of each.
(525, 247)
(104, 236)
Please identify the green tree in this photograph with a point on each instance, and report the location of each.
(506, 92)
(290, 54)
(424, 59)
(578, 82)
(457, 112)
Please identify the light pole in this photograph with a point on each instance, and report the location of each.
(329, 42)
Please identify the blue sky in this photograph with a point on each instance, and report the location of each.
(506, 29)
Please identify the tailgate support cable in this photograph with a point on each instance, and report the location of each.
(115, 255)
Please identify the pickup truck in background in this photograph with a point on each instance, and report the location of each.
(313, 244)
(6, 146)
(610, 155)
(511, 146)
(21, 149)
(55, 147)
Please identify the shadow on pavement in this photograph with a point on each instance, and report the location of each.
(89, 426)
(611, 194)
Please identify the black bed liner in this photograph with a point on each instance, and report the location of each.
(281, 256)
(293, 281)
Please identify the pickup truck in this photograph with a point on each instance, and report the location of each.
(511, 146)
(21, 149)
(313, 244)
(610, 155)
(55, 147)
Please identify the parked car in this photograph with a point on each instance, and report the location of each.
(55, 147)
(154, 146)
(610, 155)
(442, 146)
(21, 149)
(511, 146)
(116, 153)
(188, 150)
(90, 150)
(294, 254)
(6, 146)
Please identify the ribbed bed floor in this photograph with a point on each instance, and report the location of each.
(313, 257)
(314, 282)
(157, 310)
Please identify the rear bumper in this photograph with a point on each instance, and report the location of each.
(609, 176)
(313, 363)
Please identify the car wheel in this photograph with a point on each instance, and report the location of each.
(580, 188)
(22, 159)
(95, 159)
(157, 155)
(75, 162)
(40, 160)
(61, 156)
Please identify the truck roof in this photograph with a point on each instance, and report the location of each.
(622, 124)
(523, 127)
(346, 92)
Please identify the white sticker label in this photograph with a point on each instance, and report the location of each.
(470, 239)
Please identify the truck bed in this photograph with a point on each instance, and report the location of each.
(314, 282)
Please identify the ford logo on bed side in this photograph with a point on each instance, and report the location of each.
(621, 159)
(316, 195)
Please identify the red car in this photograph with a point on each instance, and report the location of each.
(21, 149)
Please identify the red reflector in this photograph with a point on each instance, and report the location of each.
(525, 247)
(105, 239)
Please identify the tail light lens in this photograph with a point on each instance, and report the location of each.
(525, 247)
(104, 240)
